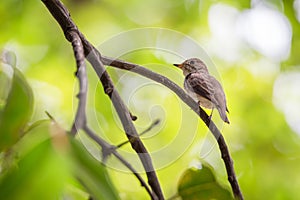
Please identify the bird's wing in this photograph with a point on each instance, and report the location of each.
(208, 87)
(200, 84)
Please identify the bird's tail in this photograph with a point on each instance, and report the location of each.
(223, 114)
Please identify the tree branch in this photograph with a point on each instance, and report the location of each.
(62, 16)
(94, 58)
(193, 105)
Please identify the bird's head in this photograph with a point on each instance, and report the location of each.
(192, 65)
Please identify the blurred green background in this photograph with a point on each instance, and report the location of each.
(251, 46)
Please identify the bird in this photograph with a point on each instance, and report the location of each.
(203, 87)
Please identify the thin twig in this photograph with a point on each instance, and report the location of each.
(50, 116)
(62, 16)
(80, 118)
(156, 122)
(112, 149)
(193, 105)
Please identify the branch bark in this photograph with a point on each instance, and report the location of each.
(80, 118)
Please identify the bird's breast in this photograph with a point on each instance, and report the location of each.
(205, 102)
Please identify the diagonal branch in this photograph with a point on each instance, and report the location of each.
(94, 58)
(193, 105)
(62, 16)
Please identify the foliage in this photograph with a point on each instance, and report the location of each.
(17, 111)
(38, 160)
(201, 184)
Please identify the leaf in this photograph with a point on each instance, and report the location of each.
(92, 174)
(4, 85)
(201, 184)
(9, 58)
(36, 124)
(16, 112)
(291, 13)
(40, 174)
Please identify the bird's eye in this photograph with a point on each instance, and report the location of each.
(192, 62)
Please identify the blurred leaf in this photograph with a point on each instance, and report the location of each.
(201, 184)
(37, 124)
(9, 58)
(239, 4)
(17, 111)
(92, 174)
(4, 88)
(36, 133)
(75, 191)
(290, 13)
(40, 174)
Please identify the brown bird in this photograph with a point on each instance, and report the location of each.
(203, 87)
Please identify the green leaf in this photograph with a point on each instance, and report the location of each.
(4, 85)
(40, 174)
(9, 58)
(92, 174)
(37, 124)
(294, 59)
(16, 112)
(201, 184)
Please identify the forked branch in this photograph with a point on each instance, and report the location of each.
(62, 16)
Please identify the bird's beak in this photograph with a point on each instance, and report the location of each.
(178, 65)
